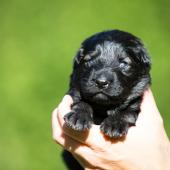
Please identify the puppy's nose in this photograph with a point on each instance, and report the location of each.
(102, 82)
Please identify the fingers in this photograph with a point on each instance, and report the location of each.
(64, 108)
(88, 138)
(65, 105)
(57, 133)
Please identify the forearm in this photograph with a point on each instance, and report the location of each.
(166, 156)
(157, 159)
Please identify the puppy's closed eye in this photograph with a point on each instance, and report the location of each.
(91, 55)
(125, 64)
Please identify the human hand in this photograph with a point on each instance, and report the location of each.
(145, 147)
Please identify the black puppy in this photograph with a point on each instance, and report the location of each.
(110, 74)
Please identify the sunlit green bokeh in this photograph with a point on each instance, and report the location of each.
(38, 40)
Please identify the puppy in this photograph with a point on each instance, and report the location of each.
(110, 74)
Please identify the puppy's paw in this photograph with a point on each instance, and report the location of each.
(78, 121)
(80, 118)
(114, 128)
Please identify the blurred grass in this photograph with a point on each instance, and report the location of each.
(38, 40)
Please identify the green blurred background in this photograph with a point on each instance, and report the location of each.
(38, 40)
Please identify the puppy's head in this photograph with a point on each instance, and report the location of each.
(109, 65)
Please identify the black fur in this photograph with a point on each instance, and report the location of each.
(110, 74)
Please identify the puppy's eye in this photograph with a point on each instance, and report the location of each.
(124, 65)
(87, 57)
(91, 55)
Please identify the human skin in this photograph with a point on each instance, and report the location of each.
(146, 146)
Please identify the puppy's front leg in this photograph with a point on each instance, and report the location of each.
(117, 123)
(81, 116)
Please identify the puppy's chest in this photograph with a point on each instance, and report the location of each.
(101, 112)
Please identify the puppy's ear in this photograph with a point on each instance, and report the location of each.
(79, 56)
(140, 54)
